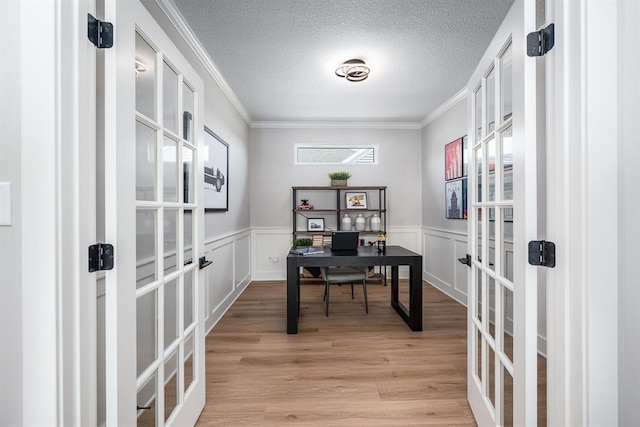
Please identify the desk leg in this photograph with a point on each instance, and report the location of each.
(395, 298)
(293, 296)
(415, 295)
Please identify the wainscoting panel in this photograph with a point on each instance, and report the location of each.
(270, 249)
(440, 258)
(242, 261)
(228, 276)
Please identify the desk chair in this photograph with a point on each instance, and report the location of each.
(344, 275)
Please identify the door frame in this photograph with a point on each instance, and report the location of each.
(57, 215)
(583, 213)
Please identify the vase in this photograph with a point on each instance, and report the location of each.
(338, 182)
(360, 223)
(345, 223)
(375, 223)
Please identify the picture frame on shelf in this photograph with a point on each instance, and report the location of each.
(456, 199)
(356, 200)
(216, 172)
(315, 224)
(453, 162)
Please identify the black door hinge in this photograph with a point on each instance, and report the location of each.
(100, 257)
(541, 42)
(542, 253)
(100, 33)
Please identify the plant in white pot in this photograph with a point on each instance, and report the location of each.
(339, 179)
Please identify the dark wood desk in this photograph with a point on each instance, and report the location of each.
(394, 256)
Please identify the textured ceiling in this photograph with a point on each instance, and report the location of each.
(279, 56)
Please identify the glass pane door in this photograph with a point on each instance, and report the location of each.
(491, 324)
(164, 234)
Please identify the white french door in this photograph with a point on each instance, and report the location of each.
(154, 311)
(503, 194)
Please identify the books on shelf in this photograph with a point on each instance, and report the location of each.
(317, 240)
(309, 250)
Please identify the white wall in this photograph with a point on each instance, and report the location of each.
(10, 236)
(629, 206)
(444, 240)
(273, 173)
(449, 126)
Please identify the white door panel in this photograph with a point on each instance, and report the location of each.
(154, 314)
(503, 192)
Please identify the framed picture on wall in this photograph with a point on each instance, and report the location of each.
(216, 172)
(453, 160)
(456, 199)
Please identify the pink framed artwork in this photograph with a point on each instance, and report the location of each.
(453, 160)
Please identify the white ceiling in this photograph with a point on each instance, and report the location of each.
(279, 56)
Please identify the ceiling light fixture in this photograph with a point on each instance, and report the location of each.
(140, 67)
(354, 70)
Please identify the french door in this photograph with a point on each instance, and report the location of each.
(154, 311)
(503, 193)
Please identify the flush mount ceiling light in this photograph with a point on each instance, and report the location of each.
(354, 70)
(140, 67)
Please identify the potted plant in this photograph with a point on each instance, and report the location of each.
(339, 179)
(303, 242)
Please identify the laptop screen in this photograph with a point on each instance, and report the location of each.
(344, 240)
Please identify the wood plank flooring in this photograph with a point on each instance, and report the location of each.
(348, 369)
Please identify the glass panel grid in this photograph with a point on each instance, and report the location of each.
(147, 399)
(491, 101)
(506, 84)
(171, 388)
(478, 111)
(170, 169)
(146, 165)
(146, 77)
(169, 98)
(167, 165)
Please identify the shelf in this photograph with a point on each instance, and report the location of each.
(316, 210)
(327, 196)
(328, 187)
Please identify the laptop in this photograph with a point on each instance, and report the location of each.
(344, 242)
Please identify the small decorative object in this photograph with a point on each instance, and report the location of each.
(345, 223)
(339, 179)
(304, 204)
(375, 223)
(381, 244)
(360, 223)
(315, 224)
(356, 200)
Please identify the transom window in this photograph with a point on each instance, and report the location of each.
(324, 154)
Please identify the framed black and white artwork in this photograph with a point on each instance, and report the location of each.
(216, 172)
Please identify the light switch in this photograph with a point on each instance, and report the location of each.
(5, 203)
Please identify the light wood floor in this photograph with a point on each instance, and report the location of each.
(348, 369)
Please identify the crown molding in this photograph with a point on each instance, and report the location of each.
(448, 104)
(176, 18)
(335, 125)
